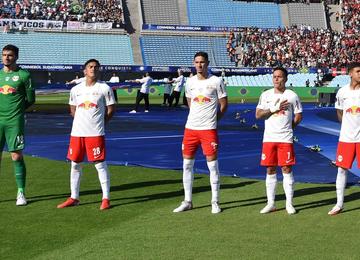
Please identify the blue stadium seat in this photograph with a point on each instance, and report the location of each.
(234, 14)
(70, 48)
(179, 51)
(340, 81)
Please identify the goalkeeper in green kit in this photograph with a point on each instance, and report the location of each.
(16, 94)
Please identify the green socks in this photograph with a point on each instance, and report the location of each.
(20, 174)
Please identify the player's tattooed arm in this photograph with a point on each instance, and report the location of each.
(263, 113)
(276, 107)
(297, 120)
(339, 114)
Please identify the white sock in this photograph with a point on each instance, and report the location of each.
(214, 179)
(188, 178)
(288, 185)
(75, 176)
(340, 186)
(271, 180)
(104, 178)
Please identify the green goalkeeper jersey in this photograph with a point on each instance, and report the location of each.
(16, 94)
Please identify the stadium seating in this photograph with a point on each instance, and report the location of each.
(297, 80)
(160, 12)
(309, 14)
(68, 48)
(340, 81)
(176, 50)
(234, 14)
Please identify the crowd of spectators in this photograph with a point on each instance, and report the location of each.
(90, 11)
(296, 47)
(350, 16)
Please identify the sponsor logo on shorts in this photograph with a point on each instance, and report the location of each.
(263, 156)
(288, 161)
(201, 100)
(214, 145)
(87, 105)
(353, 110)
(5, 90)
(340, 158)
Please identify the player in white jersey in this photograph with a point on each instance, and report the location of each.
(207, 100)
(143, 92)
(92, 104)
(167, 91)
(179, 84)
(348, 112)
(281, 109)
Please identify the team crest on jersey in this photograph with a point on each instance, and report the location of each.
(263, 156)
(7, 78)
(201, 100)
(340, 158)
(5, 90)
(87, 105)
(15, 78)
(354, 110)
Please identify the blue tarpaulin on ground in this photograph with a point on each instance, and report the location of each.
(154, 140)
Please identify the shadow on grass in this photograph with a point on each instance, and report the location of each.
(123, 187)
(281, 197)
(167, 195)
(351, 197)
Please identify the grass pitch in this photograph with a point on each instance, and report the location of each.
(141, 225)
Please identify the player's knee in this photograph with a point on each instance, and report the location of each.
(16, 156)
(101, 165)
(188, 164)
(286, 169)
(271, 170)
(76, 166)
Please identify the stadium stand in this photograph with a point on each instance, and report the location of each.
(179, 51)
(350, 16)
(70, 48)
(339, 81)
(161, 12)
(312, 14)
(65, 10)
(234, 14)
(294, 80)
(295, 47)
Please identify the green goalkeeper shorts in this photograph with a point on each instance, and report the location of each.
(12, 133)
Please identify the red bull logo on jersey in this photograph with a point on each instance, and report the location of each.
(279, 113)
(5, 90)
(354, 110)
(201, 100)
(87, 105)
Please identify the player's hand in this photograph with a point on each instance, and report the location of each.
(284, 105)
(275, 107)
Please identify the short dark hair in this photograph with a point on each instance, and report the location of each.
(202, 54)
(91, 60)
(12, 48)
(353, 65)
(285, 72)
